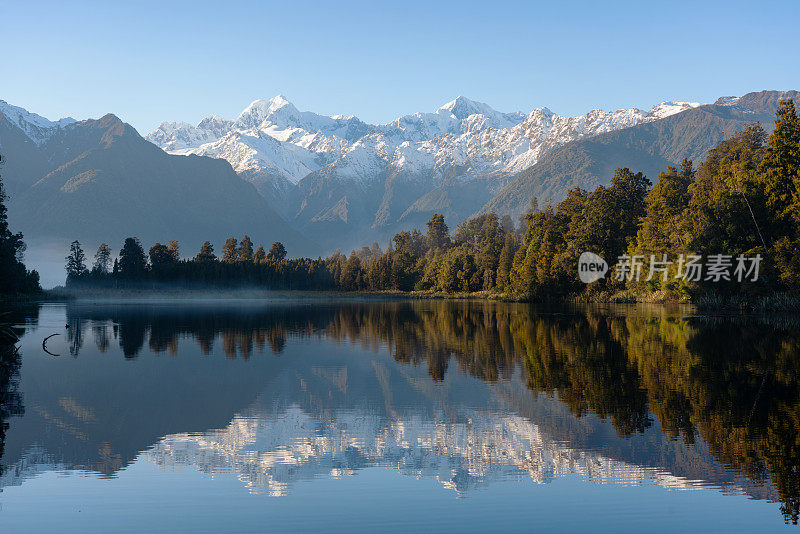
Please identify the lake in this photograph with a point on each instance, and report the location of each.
(245, 416)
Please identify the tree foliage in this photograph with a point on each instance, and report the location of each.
(14, 277)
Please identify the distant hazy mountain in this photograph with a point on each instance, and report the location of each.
(341, 181)
(99, 180)
(648, 147)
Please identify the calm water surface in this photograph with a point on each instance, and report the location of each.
(211, 416)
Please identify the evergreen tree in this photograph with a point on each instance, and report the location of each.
(610, 218)
(174, 250)
(780, 167)
(160, 258)
(102, 259)
(438, 235)
(230, 250)
(779, 172)
(246, 250)
(206, 254)
(259, 255)
(507, 224)
(277, 251)
(132, 260)
(409, 246)
(75, 262)
(352, 277)
(661, 228)
(506, 260)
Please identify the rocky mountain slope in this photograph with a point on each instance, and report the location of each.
(99, 180)
(647, 147)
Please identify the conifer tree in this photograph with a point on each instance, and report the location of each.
(102, 259)
(174, 250)
(259, 255)
(506, 260)
(277, 251)
(779, 171)
(780, 167)
(246, 250)
(75, 262)
(160, 257)
(132, 260)
(230, 250)
(206, 254)
(438, 235)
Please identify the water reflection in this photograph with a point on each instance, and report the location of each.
(10, 397)
(465, 392)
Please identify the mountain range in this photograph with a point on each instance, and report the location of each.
(99, 180)
(340, 180)
(323, 182)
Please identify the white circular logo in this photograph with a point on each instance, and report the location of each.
(591, 267)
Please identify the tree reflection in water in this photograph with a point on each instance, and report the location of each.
(10, 397)
(730, 381)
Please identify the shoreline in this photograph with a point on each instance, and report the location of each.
(776, 302)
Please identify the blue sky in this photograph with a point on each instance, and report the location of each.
(154, 61)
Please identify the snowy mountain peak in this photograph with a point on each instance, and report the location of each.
(260, 110)
(462, 107)
(212, 122)
(36, 127)
(274, 145)
(278, 101)
(665, 109)
(181, 137)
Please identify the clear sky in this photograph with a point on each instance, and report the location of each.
(154, 61)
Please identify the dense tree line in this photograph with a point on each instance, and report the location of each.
(743, 200)
(15, 279)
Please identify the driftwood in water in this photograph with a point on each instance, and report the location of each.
(44, 346)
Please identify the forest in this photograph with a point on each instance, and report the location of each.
(15, 279)
(743, 200)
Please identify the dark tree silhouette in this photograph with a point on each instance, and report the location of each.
(75, 262)
(132, 261)
(14, 277)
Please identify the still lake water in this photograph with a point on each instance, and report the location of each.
(210, 416)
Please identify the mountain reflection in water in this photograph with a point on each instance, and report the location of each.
(465, 392)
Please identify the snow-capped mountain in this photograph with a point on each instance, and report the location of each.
(36, 127)
(176, 137)
(343, 182)
(275, 146)
(460, 133)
